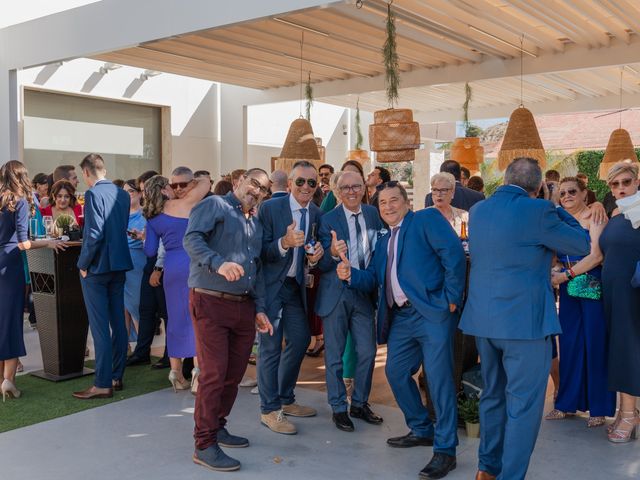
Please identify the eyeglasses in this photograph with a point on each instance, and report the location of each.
(256, 184)
(351, 188)
(440, 191)
(181, 185)
(625, 182)
(312, 182)
(571, 192)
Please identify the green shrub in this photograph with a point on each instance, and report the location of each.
(469, 409)
(589, 164)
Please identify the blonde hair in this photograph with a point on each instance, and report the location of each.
(444, 177)
(154, 198)
(333, 183)
(626, 166)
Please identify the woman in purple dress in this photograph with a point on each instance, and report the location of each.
(167, 219)
(16, 202)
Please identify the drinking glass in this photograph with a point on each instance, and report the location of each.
(48, 225)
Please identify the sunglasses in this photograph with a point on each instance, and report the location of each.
(181, 185)
(571, 192)
(312, 182)
(621, 183)
(351, 188)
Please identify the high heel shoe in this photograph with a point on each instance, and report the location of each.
(612, 426)
(176, 382)
(9, 390)
(619, 435)
(195, 373)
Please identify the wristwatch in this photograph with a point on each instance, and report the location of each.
(157, 269)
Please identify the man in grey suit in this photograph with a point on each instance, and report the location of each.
(350, 229)
(463, 197)
(511, 311)
(287, 222)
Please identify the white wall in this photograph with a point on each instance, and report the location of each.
(192, 102)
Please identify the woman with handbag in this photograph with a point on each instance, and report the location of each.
(620, 243)
(583, 342)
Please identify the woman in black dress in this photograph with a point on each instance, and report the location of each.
(16, 205)
(620, 244)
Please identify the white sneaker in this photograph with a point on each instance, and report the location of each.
(248, 382)
(255, 391)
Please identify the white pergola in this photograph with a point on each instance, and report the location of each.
(574, 51)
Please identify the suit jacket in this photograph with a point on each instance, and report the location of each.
(463, 198)
(275, 215)
(431, 269)
(278, 194)
(105, 246)
(331, 287)
(512, 239)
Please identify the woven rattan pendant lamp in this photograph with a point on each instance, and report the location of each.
(301, 142)
(394, 136)
(521, 138)
(619, 147)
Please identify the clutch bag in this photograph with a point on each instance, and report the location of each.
(585, 286)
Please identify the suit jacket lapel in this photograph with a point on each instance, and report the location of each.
(342, 221)
(403, 231)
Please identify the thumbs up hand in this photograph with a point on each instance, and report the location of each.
(344, 268)
(293, 238)
(338, 247)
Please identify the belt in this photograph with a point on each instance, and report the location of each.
(223, 295)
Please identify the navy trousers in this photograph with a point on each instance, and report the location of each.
(354, 313)
(104, 298)
(278, 369)
(414, 341)
(515, 375)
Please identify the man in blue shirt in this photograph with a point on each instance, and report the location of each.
(224, 240)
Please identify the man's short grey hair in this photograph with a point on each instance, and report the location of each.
(301, 164)
(525, 173)
(278, 181)
(182, 171)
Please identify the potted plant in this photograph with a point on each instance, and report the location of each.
(469, 411)
(66, 225)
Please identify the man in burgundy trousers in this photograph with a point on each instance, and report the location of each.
(224, 239)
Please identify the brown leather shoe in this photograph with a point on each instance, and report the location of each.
(484, 476)
(93, 392)
(117, 385)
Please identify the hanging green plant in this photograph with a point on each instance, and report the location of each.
(390, 56)
(308, 95)
(359, 138)
(470, 130)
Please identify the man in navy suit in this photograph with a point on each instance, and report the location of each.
(463, 197)
(418, 270)
(350, 229)
(288, 222)
(511, 311)
(279, 183)
(103, 261)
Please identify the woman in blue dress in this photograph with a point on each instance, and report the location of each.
(133, 280)
(620, 243)
(167, 219)
(583, 342)
(16, 205)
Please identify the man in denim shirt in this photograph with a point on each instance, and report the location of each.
(224, 239)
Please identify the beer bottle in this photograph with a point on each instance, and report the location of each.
(464, 237)
(310, 247)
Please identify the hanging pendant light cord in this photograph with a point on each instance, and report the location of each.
(301, 81)
(620, 115)
(521, 70)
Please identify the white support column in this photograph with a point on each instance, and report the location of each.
(421, 175)
(9, 136)
(233, 128)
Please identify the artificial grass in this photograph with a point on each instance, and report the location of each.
(43, 400)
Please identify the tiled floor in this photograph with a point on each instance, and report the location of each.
(151, 437)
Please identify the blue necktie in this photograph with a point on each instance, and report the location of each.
(300, 250)
(359, 248)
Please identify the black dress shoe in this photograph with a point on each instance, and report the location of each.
(161, 364)
(117, 385)
(343, 422)
(439, 466)
(365, 413)
(410, 440)
(133, 360)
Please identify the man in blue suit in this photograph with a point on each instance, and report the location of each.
(103, 261)
(511, 311)
(418, 270)
(463, 197)
(350, 229)
(288, 222)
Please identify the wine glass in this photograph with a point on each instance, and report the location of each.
(80, 198)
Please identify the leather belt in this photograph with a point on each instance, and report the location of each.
(223, 295)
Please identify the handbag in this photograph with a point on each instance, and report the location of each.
(585, 286)
(635, 280)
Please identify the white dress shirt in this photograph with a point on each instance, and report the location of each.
(398, 295)
(297, 216)
(353, 243)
